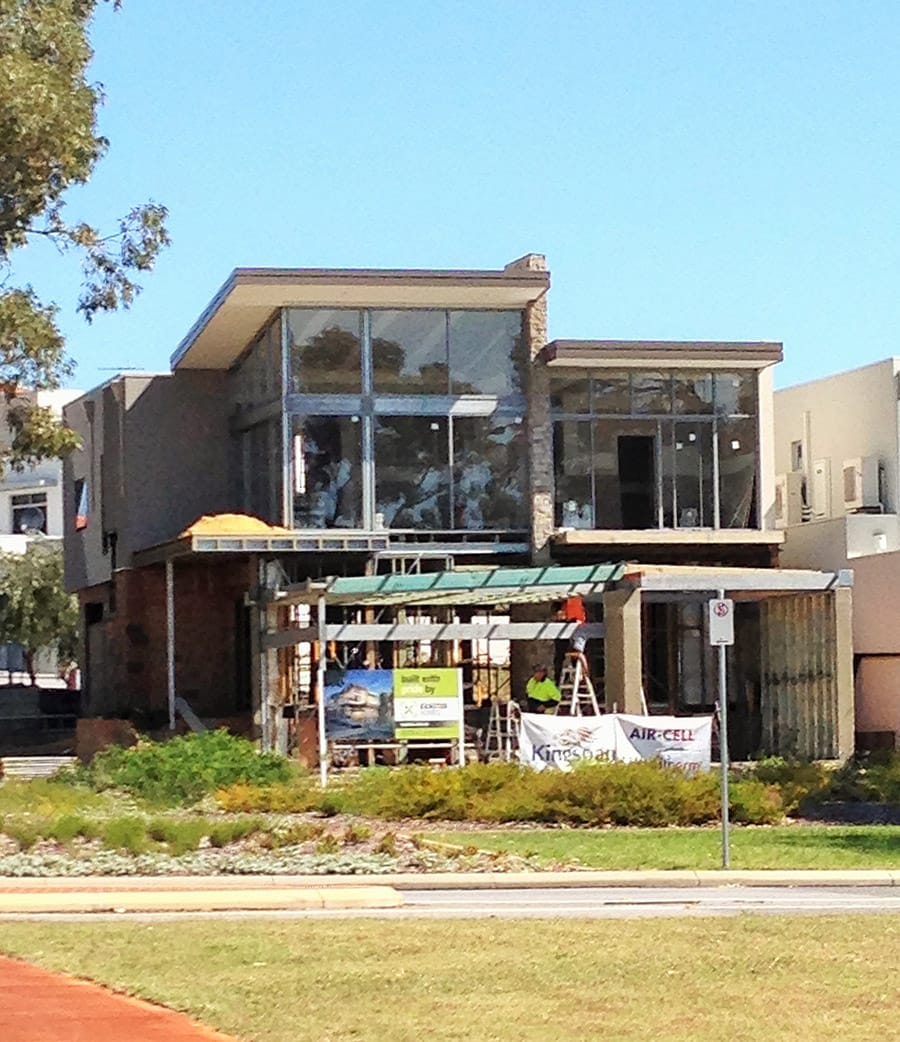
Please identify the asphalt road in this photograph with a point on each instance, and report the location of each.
(580, 903)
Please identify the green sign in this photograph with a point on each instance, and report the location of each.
(427, 704)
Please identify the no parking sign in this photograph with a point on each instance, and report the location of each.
(721, 622)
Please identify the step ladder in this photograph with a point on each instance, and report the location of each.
(502, 735)
(578, 697)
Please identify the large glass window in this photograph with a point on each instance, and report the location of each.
(325, 351)
(412, 472)
(409, 352)
(489, 473)
(573, 466)
(643, 449)
(694, 480)
(736, 393)
(486, 352)
(327, 472)
(612, 393)
(737, 473)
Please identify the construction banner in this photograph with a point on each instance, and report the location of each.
(682, 741)
(562, 741)
(427, 704)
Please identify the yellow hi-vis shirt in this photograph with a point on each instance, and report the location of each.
(542, 690)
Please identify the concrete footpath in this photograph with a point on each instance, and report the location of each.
(39, 1006)
(267, 893)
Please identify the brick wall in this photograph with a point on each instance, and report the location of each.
(126, 670)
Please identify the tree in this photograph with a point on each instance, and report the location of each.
(48, 144)
(35, 610)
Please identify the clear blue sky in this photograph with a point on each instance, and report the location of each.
(704, 169)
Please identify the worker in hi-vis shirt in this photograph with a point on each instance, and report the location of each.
(543, 694)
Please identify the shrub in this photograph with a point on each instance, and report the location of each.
(221, 833)
(752, 802)
(387, 844)
(25, 833)
(357, 833)
(127, 833)
(184, 769)
(180, 836)
(294, 798)
(328, 844)
(796, 780)
(66, 827)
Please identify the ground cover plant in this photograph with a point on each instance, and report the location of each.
(784, 979)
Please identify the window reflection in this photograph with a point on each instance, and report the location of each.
(693, 393)
(325, 351)
(327, 488)
(489, 473)
(737, 473)
(412, 474)
(409, 352)
(651, 392)
(570, 393)
(487, 352)
(573, 464)
(736, 393)
(612, 393)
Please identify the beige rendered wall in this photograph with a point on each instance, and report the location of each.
(816, 544)
(850, 414)
(766, 449)
(878, 694)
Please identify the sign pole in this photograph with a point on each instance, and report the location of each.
(320, 686)
(723, 746)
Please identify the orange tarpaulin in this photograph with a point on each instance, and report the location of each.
(232, 525)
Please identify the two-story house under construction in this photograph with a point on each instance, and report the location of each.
(414, 433)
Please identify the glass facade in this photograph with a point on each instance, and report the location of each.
(397, 419)
(647, 449)
(325, 351)
(327, 472)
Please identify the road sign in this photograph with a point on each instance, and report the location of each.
(721, 622)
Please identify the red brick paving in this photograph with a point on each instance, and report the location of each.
(37, 1005)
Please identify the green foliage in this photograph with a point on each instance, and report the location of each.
(49, 797)
(643, 793)
(184, 769)
(221, 833)
(35, 610)
(127, 833)
(356, 832)
(796, 779)
(179, 835)
(755, 803)
(48, 115)
(875, 782)
(67, 827)
(328, 844)
(24, 831)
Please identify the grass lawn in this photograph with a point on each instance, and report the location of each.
(798, 846)
(787, 979)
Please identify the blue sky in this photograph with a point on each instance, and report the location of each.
(693, 170)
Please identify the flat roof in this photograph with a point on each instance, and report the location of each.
(634, 354)
(250, 297)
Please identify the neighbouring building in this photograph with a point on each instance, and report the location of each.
(31, 508)
(414, 433)
(838, 485)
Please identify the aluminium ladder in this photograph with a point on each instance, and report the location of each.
(578, 697)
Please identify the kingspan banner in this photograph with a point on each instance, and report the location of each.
(562, 741)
